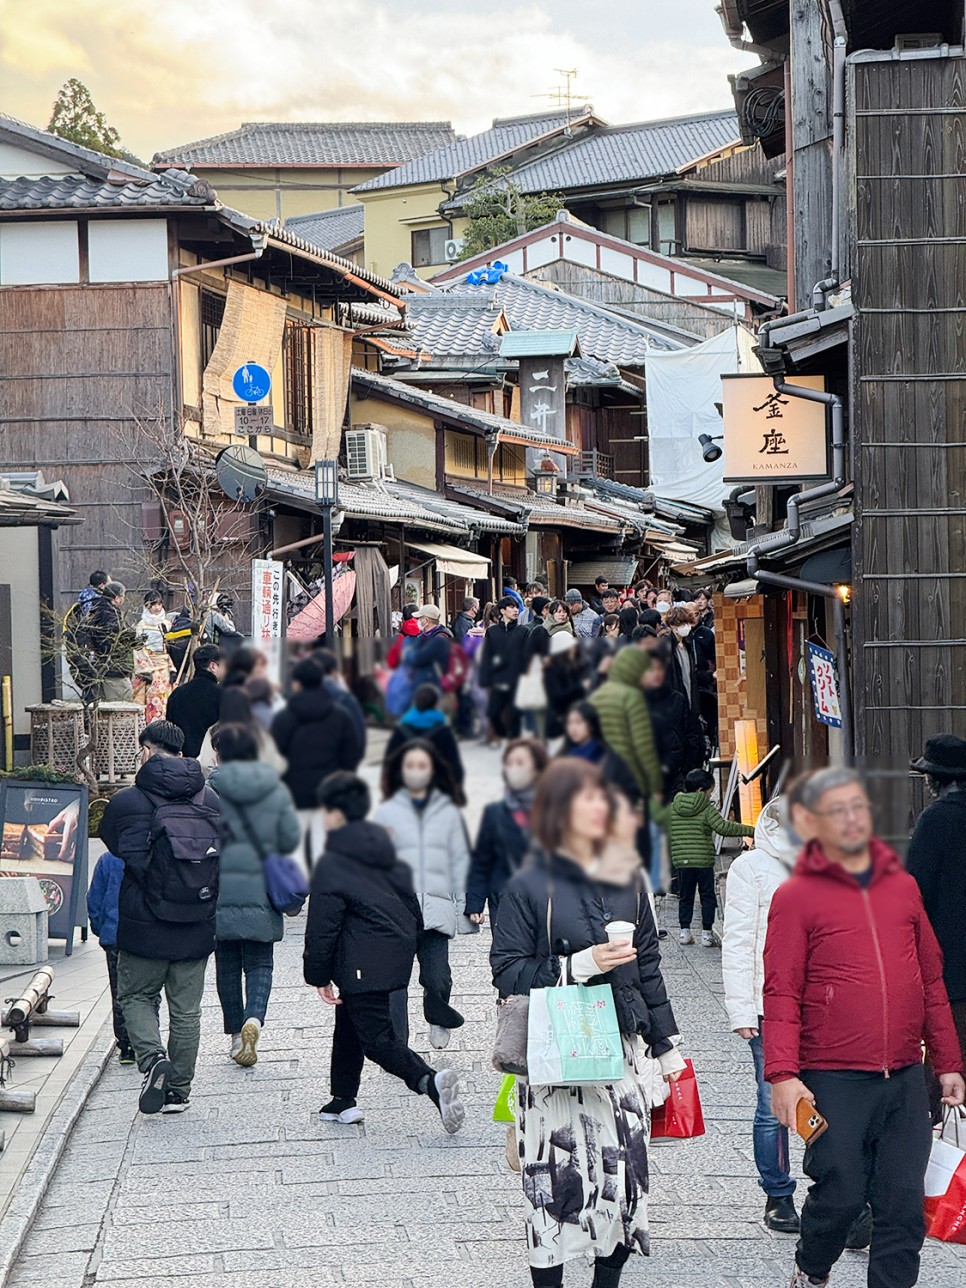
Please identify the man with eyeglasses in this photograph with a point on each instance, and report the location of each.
(853, 985)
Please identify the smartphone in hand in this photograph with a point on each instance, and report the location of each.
(809, 1123)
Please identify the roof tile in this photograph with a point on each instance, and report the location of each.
(320, 143)
(329, 229)
(80, 192)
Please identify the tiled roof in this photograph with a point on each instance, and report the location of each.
(624, 154)
(544, 511)
(72, 191)
(465, 155)
(443, 506)
(329, 229)
(313, 143)
(682, 511)
(463, 323)
(375, 385)
(363, 501)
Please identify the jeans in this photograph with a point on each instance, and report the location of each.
(689, 881)
(769, 1136)
(436, 979)
(364, 1029)
(875, 1151)
(232, 958)
(139, 984)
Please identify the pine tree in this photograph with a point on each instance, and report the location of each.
(498, 211)
(76, 119)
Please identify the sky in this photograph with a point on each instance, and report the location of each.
(169, 72)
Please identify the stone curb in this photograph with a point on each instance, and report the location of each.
(16, 1222)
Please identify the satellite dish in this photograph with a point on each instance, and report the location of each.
(241, 473)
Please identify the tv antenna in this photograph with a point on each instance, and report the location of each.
(564, 95)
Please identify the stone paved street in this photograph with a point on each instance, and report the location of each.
(249, 1189)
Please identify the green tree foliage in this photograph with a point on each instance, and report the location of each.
(498, 211)
(76, 119)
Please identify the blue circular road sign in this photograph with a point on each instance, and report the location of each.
(251, 382)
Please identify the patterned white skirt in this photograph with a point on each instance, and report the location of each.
(583, 1162)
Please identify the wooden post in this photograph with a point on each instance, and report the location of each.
(17, 1102)
(53, 1019)
(32, 999)
(38, 1046)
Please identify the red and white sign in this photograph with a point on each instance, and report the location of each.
(267, 599)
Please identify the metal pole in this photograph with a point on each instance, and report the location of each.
(327, 560)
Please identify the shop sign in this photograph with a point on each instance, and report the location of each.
(267, 600)
(825, 685)
(772, 437)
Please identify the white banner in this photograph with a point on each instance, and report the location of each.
(267, 599)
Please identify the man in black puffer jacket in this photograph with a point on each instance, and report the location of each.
(315, 734)
(156, 953)
(360, 938)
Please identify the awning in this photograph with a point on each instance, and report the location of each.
(455, 562)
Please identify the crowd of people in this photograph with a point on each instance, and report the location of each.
(604, 746)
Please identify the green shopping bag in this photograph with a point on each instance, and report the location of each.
(505, 1109)
(573, 1037)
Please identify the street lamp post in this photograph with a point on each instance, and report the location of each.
(327, 496)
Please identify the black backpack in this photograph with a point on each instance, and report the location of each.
(182, 878)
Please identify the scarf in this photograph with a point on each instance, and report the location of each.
(520, 804)
(593, 751)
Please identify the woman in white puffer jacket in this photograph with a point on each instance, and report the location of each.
(753, 879)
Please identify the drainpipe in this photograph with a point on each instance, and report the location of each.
(840, 36)
(792, 531)
(735, 31)
(219, 263)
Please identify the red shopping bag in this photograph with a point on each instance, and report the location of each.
(946, 1181)
(680, 1116)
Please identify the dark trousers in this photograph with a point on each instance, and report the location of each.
(436, 980)
(875, 1151)
(237, 957)
(363, 1030)
(120, 1028)
(702, 881)
(465, 721)
(502, 713)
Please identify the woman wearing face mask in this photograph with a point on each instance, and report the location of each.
(152, 676)
(682, 672)
(574, 1139)
(504, 835)
(663, 602)
(420, 812)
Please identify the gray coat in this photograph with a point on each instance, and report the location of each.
(244, 911)
(433, 843)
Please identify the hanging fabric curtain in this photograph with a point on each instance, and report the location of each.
(373, 613)
(331, 367)
(251, 331)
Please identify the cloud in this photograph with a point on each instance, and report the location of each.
(172, 72)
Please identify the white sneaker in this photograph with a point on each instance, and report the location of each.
(451, 1109)
(686, 937)
(707, 939)
(439, 1037)
(331, 1114)
(248, 1054)
(235, 1046)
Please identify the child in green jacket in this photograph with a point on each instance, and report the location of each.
(691, 822)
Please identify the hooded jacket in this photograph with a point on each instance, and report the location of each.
(753, 879)
(251, 789)
(625, 720)
(102, 898)
(691, 821)
(853, 975)
(126, 831)
(937, 860)
(194, 707)
(523, 958)
(433, 726)
(432, 843)
(317, 737)
(678, 735)
(363, 915)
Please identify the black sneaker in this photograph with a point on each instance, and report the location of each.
(780, 1215)
(175, 1102)
(125, 1056)
(151, 1100)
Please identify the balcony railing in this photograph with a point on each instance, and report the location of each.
(594, 465)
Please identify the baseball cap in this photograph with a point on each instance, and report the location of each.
(430, 611)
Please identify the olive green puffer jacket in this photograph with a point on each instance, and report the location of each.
(691, 822)
(625, 720)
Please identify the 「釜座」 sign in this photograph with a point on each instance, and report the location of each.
(772, 437)
(267, 581)
(825, 685)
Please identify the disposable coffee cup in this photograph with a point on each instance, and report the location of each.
(619, 932)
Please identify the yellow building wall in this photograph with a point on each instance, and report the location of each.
(283, 191)
(410, 441)
(392, 217)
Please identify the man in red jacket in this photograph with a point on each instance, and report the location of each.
(853, 984)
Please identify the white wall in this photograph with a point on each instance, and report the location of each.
(42, 252)
(16, 162)
(20, 569)
(127, 250)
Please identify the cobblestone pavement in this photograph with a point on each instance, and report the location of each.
(249, 1189)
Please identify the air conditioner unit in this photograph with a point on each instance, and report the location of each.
(365, 451)
(453, 249)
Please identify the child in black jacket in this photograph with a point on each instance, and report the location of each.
(360, 943)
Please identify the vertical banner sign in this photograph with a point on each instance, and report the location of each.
(825, 685)
(543, 404)
(267, 581)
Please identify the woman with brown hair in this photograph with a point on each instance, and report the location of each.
(583, 1150)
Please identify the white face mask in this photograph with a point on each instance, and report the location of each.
(683, 631)
(518, 777)
(663, 607)
(417, 780)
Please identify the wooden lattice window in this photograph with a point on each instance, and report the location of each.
(298, 378)
(212, 316)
